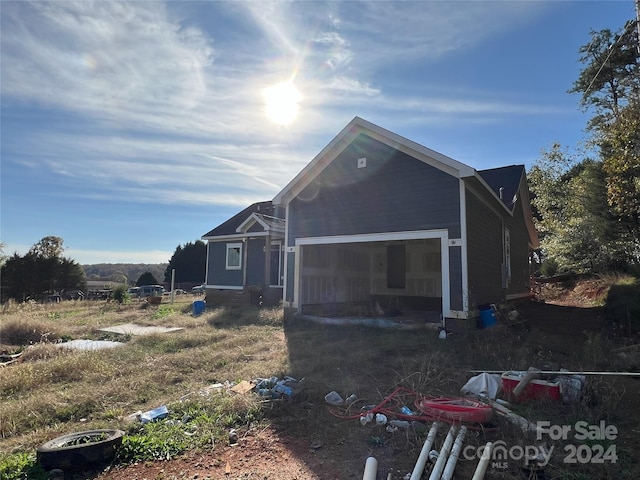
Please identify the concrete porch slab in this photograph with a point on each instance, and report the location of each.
(135, 329)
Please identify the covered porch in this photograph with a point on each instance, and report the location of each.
(389, 279)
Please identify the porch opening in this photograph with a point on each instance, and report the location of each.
(401, 279)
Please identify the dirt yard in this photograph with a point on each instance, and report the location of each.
(303, 439)
(306, 442)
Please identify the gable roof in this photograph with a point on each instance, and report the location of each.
(512, 181)
(267, 222)
(506, 179)
(232, 226)
(356, 127)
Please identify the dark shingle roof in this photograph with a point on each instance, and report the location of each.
(507, 178)
(229, 227)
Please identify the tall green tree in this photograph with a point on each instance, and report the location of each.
(577, 230)
(609, 77)
(40, 272)
(189, 262)
(620, 150)
(610, 83)
(48, 247)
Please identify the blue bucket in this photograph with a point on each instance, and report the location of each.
(487, 316)
(198, 307)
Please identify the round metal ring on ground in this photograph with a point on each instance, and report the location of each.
(81, 449)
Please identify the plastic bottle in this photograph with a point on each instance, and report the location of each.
(400, 423)
(283, 389)
(333, 398)
(406, 410)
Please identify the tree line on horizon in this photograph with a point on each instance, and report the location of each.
(44, 271)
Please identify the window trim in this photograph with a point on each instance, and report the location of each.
(231, 246)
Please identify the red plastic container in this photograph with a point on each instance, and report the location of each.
(536, 390)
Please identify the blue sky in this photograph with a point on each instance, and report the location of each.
(131, 128)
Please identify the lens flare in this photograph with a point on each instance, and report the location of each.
(282, 102)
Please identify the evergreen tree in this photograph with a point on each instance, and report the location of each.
(42, 271)
(146, 278)
(189, 263)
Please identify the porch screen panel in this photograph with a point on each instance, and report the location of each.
(396, 266)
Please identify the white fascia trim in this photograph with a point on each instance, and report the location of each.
(393, 140)
(484, 201)
(375, 237)
(315, 166)
(422, 153)
(463, 252)
(239, 238)
(224, 287)
(249, 221)
(494, 194)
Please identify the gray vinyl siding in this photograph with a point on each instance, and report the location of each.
(218, 274)
(484, 251)
(395, 192)
(520, 274)
(455, 278)
(290, 275)
(255, 262)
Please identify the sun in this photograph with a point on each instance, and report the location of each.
(282, 102)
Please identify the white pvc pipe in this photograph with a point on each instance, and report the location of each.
(370, 469)
(424, 453)
(453, 456)
(483, 463)
(444, 453)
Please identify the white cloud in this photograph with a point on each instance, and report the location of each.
(102, 58)
(161, 110)
(88, 257)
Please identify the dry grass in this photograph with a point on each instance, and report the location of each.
(53, 391)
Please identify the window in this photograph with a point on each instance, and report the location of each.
(234, 256)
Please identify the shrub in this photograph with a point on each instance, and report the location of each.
(549, 267)
(121, 295)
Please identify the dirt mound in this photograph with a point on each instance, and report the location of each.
(589, 292)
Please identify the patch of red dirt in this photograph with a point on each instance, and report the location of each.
(260, 455)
